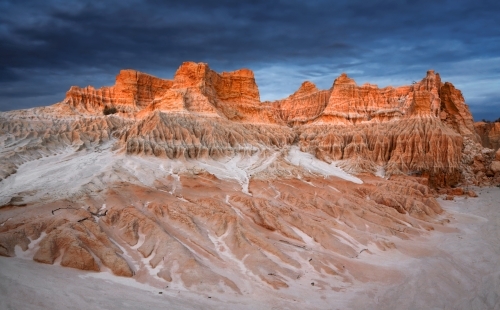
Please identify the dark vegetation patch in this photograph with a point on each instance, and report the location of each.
(109, 110)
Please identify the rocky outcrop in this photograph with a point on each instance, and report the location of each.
(235, 96)
(198, 89)
(132, 92)
(416, 129)
(303, 106)
(486, 163)
(351, 104)
(455, 113)
(495, 164)
(412, 147)
(489, 134)
(188, 137)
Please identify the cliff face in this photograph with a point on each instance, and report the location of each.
(487, 164)
(303, 106)
(415, 147)
(455, 113)
(416, 129)
(132, 92)
(235, 96)
(489, 134)
(350, 103)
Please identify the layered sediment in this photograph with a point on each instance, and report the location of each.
(416, 129)
(196, 182)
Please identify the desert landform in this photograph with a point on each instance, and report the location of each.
(192, 193)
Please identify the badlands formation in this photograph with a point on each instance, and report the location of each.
(194, 184)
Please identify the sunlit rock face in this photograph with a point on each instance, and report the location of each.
(132, 92)
(416, 129)
(195, 182)
(303, 106)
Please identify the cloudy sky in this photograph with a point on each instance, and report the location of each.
(47, 46)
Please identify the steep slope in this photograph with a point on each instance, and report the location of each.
(174, 136)
(455, 113)
(489, 133)
(415, 147)
(350, 103)
(487, 165)
(132, 92)
(302, 106)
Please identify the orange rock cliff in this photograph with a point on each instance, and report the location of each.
(235, 96)
(416, 129)
(424, 129)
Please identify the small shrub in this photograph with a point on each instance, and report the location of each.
(487, 121)
(109, 110)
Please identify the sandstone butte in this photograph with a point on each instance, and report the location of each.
(196, 182)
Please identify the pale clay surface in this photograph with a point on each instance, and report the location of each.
(464, 262)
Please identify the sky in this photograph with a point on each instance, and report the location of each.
(47, 46)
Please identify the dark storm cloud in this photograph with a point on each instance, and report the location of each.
(46, 47)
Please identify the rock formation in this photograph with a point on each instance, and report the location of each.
(132, 92)
(495, 165)
(455, 113)
(301, 107)
(489, 133)
(194, 181)
(414, 129)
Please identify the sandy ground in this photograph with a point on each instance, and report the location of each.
(66, 172)
(458, 268)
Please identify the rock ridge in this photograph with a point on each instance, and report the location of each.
(417, 129)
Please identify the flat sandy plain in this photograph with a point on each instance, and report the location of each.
(457, 267)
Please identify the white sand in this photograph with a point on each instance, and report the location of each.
(312, 164)
(460, 270)
(69, 173)
(64, 173)
(453, 270)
